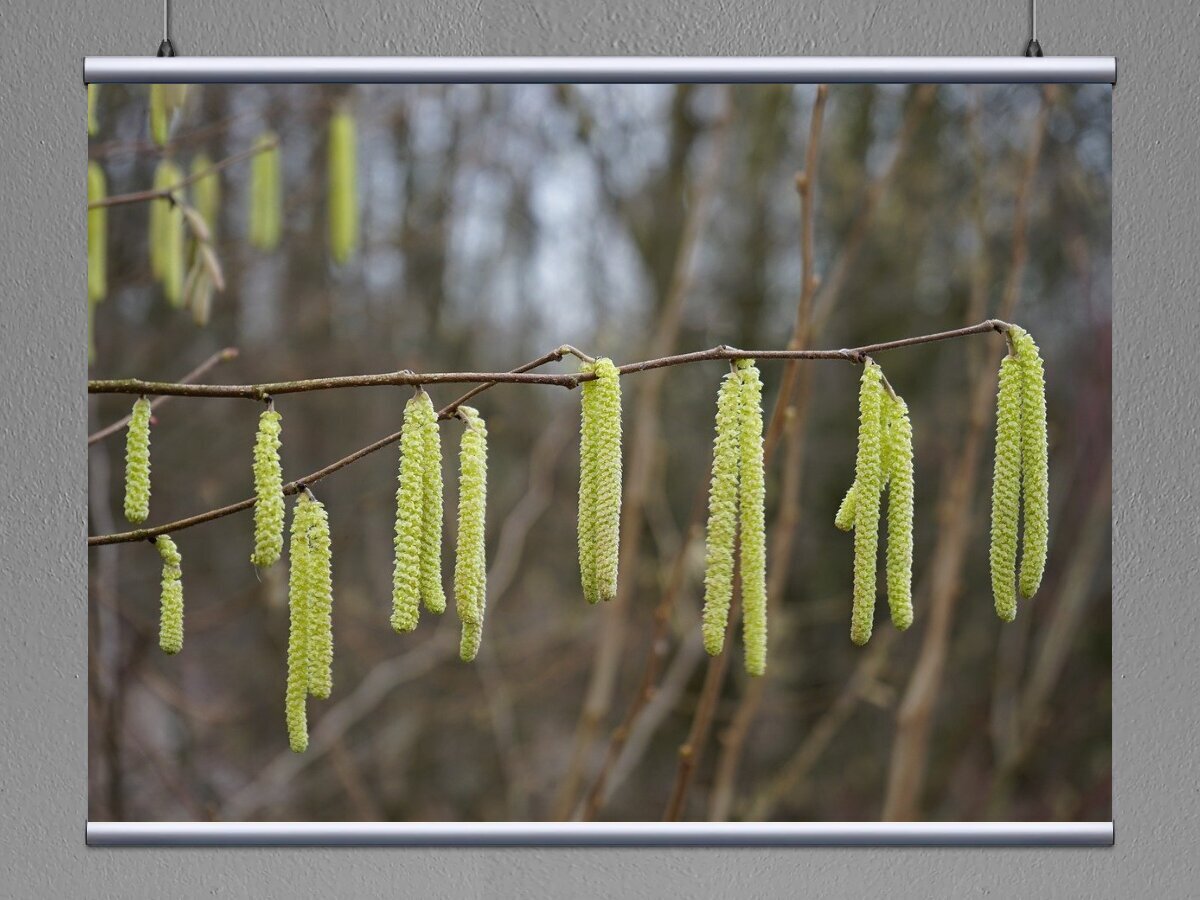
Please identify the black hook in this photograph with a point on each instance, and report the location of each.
(166, 48)
(1033, 48)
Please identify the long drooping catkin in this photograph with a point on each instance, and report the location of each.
(97, 235)
(268, 491)
(166, 235)
(898, 459)
(470, 565)
(722, 514)
(170, 617)
(318, 603)
(432, 594)
(868, 480)
(600, 481)
(266, 194)
(137, 463)
(752, 520)
(410, 499)
(1035, 472)
(343, 186)
(1006, 487)
(300, 579)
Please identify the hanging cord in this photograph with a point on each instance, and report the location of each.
(1033, 48)
(166, 48)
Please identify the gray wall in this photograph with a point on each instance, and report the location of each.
(43, 489)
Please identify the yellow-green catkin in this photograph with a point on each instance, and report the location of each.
(93, 97)
(343, 186)
(1006, 487)
(165, 99)
(166, 235)
(722, 514)
(318, 603)
(97, 235)
(268, 491)
(409, 529)
(470, 564)
(266, 194)
(206, 191)
(868, 479)
(433, 596)
(752, 520)
(1035, 473)
(600, 481)
(300, 579)
(170, 618)
(898, 460)
(844, 519)
(137, 463)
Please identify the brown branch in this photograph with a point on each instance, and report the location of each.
(167, 193)
(262, 392)
(266, 390)
(220, 356)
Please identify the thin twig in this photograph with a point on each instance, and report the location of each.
(262, 392)
(265, 390)
(220, 356)
(166, 193)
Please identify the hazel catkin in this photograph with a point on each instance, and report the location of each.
(97, 231)
(268, 491)
(165, 100)
(318, 603)
(1035, 474)
(206, 191)
(170, 619)
(600, 481)
(300, 575)
(868, 480)
(722, 514)
(343, 186)
(166, 235)
(432, 594)
(137, 463)
(470, 565)
(266, 194)
(1006, 487)
(752, 520)
(93, 97)
(898, 459)
(409, 530)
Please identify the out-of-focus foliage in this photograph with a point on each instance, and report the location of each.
(496, 223)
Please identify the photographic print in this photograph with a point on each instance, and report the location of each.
(593, 453)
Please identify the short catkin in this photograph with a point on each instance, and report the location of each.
(899, 476)
(722, 514)
(170, 617)
(318, 603)
(300, 579)
(166, 235)
(137, 463)
(343, 186)
(868, 479)
(268, 491)
(600, 481)
(206, 191)
(409, 529)
(844, 519)
(1006, 486)
(470, 565)
(266, 194)
(433, 596)
(93, 98)
(752, 520)
(97, 222)
(1035, 473)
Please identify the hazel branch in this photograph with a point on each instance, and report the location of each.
(483, 382)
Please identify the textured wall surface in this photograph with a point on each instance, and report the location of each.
(43, 479)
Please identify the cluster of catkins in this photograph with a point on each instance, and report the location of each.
(1020, 485)
(736, 518)
(884, 461)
